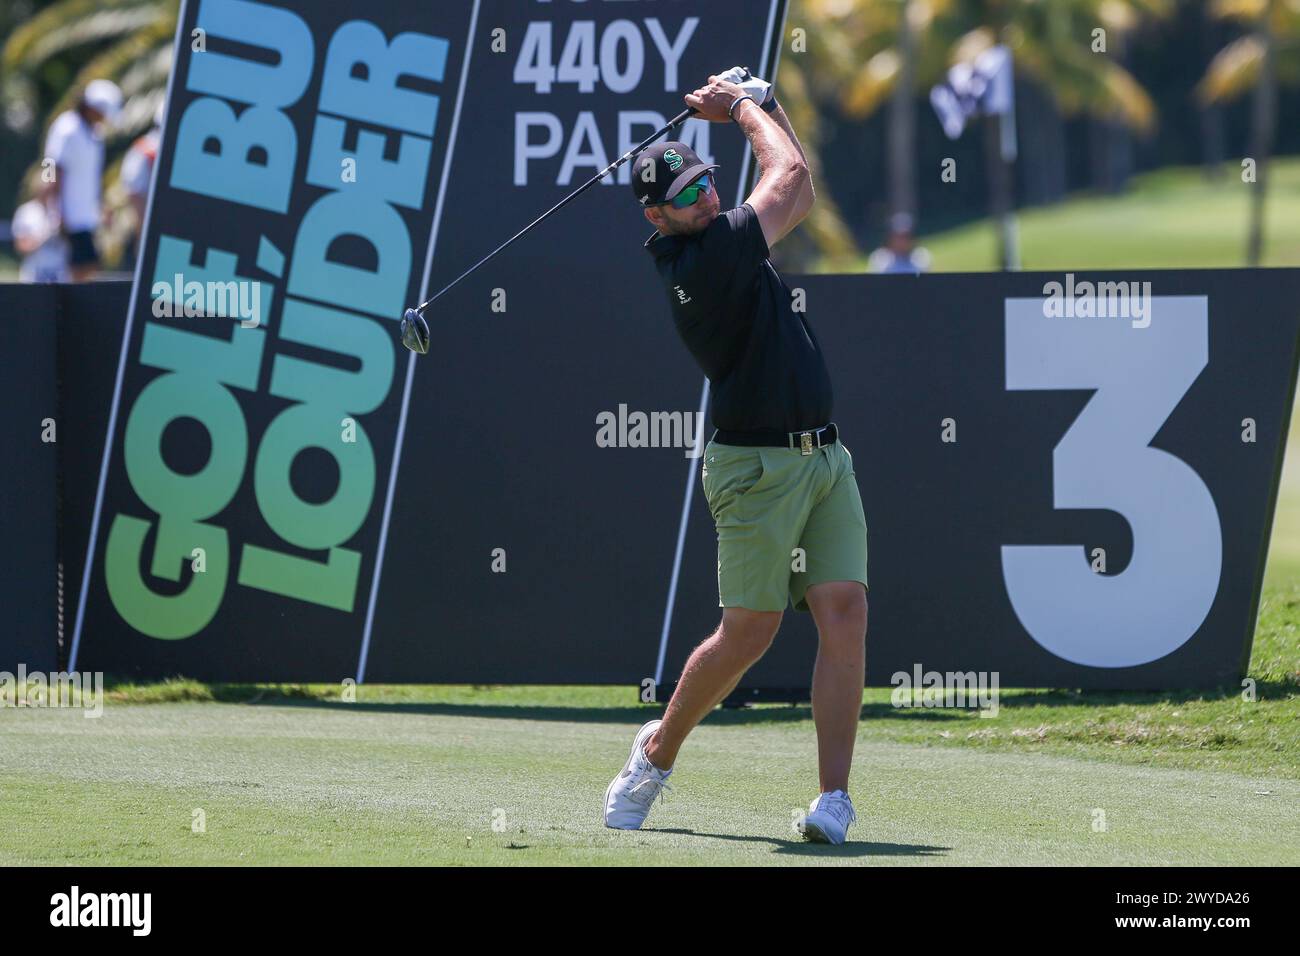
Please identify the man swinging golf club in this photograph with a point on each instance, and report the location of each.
(778, 483)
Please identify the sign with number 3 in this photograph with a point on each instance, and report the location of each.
(1105, 460)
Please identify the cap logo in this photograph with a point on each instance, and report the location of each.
(673, 159)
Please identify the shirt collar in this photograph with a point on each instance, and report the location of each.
(659, 245)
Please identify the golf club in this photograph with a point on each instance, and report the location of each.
(415, 329)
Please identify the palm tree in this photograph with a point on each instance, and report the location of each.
(863, 54)
(1268, 54)
(823, 234)
(902, 116)
(126, 41)
(866, 53)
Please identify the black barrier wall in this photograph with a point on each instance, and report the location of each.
(32, 441)
(286, 494)
(90, 323)
(521, 550)
(1050, 420)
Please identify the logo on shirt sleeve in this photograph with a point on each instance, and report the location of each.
(682, 297)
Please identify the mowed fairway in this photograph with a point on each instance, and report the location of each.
(499, 775)
(302, 781)
(458, 775)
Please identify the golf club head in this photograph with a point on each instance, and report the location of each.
(415, 332)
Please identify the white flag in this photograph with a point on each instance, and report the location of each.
(985, 87)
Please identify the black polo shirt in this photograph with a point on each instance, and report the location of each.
(736, 315)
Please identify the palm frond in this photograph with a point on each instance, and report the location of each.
(872, 84)
(1124, 96)
(1232, 71)
(70, 24)
(971, 44)
(1239, 9)
(824, 229)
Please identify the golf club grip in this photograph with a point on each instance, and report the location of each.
(677, 120)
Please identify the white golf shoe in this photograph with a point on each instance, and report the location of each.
(630, 794)
(828, 818)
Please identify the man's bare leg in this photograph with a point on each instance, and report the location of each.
(840, 610)
(711, 673)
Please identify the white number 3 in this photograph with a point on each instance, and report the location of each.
(1104, 461)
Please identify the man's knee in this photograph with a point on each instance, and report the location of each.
(840, 608)
(749, 633)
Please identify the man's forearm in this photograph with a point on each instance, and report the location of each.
(783, 194)
(806, 195)
(783, 121)
(777, 152)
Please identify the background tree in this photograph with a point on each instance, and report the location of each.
(1265, 56)
(864, 54)
(61, 46)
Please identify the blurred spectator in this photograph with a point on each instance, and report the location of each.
(899, 254)
(137, 171)
(76, 146)
(38, 240)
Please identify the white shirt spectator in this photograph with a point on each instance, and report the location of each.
(78, 152)
(137, 164)
(889, 262)
(49, 261)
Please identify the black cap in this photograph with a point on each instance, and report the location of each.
(663, 170)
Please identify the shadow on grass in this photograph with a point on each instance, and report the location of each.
(1011, 700)
(632, 716)
(824, 850)
(1264, 690)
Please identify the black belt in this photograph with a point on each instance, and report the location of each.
(805, 441)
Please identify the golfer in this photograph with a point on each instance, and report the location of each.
(779, 484)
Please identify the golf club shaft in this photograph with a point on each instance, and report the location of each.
(626, 157)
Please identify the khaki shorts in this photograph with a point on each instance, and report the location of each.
(785, 521)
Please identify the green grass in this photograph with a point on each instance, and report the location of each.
(1284, 545)
(1173, 218)
(510, 775)
(413, 774)
(391, 780)
(293, 774)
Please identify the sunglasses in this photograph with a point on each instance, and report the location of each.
(691, 194)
